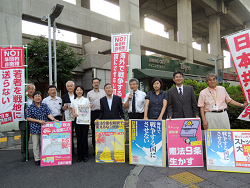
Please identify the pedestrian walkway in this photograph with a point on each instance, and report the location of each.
(95, 175)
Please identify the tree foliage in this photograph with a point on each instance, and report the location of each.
(235, 92)
(38, 66)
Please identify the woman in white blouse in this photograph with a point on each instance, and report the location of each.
(81, 111)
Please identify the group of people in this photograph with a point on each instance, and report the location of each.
(179, 102)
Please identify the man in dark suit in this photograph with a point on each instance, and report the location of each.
(111, 105)
(66, 99)
(182, 102)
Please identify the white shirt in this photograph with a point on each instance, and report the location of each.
(139, 101)
(30, 101)
(71, 97)
(179, 89)
(54, 105)
(109, 100)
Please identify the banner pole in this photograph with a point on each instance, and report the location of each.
(27, 123)
(130, 45)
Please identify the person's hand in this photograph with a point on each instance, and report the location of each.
(170, 118)
(96, 121)
(159, 118)
(130, 96)
(64, 107)
(56, 120)
(91, 105)
(42, 122)
(75, 115)
(205, 124)
(145, 118)
(244, 105)
(197, 116)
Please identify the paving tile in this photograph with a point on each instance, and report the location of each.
(166, 182)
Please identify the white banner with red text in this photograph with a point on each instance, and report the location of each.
(12, 84)
(239, 46)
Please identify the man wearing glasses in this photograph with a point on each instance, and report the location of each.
(213, 103)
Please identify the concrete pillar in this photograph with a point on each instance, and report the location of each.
(142, 22)
(172, 34)
(184, 19)
(204, 46)
(214, 35)
(130, 15)
(10, 139)
(82, 39)
(11, 22)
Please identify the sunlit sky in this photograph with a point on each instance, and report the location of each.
(112, 11)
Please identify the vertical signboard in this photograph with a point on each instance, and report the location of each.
(239, 46)
(110, 141)
(184, 142)
(147, 142)
(12, 85)
(56, 143)
(119, 62)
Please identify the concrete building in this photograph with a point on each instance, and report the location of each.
(186, 21)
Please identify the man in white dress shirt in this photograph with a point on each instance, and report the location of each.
(54, 103)
(135, 100)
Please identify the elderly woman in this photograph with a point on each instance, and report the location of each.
(37, 114)
(82, 127)
(156, 101)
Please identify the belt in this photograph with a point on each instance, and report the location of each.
(135, 113)
(218, 111)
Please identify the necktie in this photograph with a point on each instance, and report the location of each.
(180, 93)
(133, 104)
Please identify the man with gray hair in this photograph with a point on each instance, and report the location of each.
(213, 103)
(66, 100)
(22, 124)
(135, 100)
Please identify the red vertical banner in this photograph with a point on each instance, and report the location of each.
(12, 84)
(119, 62)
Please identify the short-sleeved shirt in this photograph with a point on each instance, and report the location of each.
(139, 101)
(156, 104)
(40, 113)
(208, 97)
(94, 98)
(55, 105)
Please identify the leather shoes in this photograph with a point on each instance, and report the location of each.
(37, 163)
(79, 160)
(85, 159)
(24, 159)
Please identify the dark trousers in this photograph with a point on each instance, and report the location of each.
(82, 140)
(136, 115)
(94, 116)
(23, 141)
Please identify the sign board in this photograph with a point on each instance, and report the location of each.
(56, 143)
(228, 150)
(147, 142)
(110, 141)
(184, 142)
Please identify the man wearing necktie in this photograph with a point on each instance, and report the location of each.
(135, 100)
(213, 103)
(182, 102)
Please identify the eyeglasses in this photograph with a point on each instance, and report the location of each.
(211, 80)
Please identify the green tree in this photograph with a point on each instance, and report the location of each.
(38, 65)
(235, 92)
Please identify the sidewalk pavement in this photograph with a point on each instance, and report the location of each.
(141, 176)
